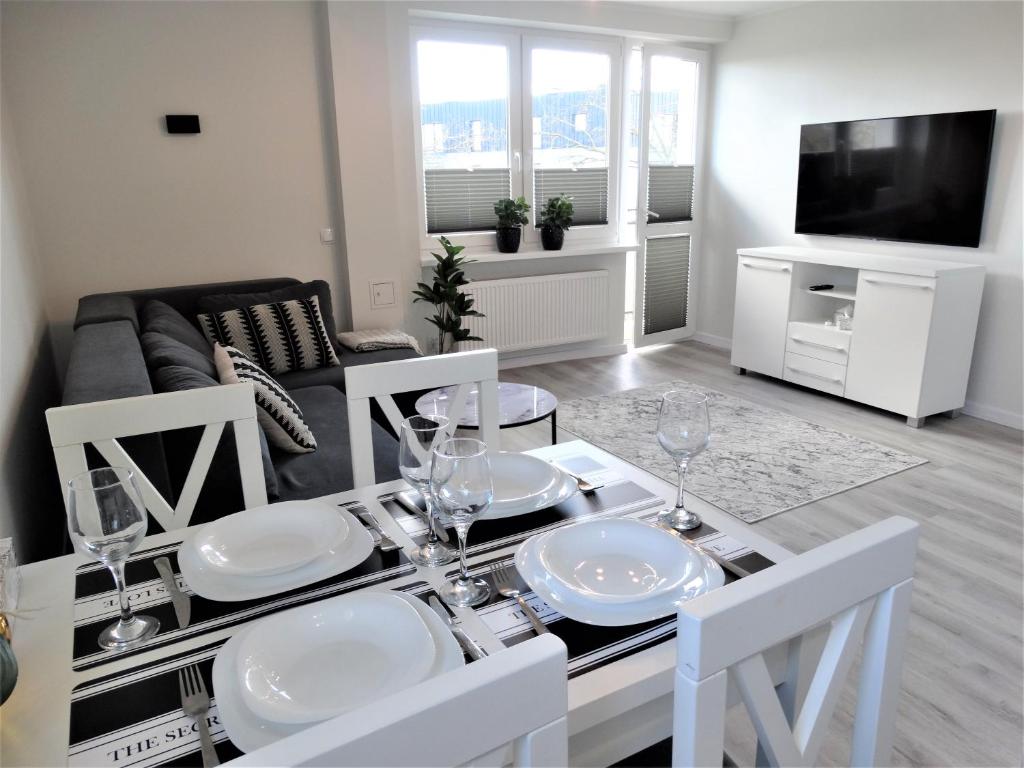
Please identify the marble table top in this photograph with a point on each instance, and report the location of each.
(517, 404)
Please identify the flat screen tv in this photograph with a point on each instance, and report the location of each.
(918, 179)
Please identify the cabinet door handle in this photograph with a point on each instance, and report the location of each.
(814, 375)
(897, 283)
(768, 267)
(800, 340)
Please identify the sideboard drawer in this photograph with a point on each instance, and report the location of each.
(819, 341)
(817, 374)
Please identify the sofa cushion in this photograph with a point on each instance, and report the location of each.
(329, 470)
(318, 377)
(163, 318)
(162, 350)
(177, 378)
(220, 302)
(276, 411)
(280, 337)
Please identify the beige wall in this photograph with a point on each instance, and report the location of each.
(121, 205)
(30, 506)
(819, 62)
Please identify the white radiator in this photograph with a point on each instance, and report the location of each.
(540, 311)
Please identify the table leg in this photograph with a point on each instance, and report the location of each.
(554, 427)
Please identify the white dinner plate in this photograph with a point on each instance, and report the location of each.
(316, 661)
(524, 484)
(209, 582)
(270, 539)
(617, 560)
(249, 732)
(575, 606)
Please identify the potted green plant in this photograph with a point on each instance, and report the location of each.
(511, 217)
(450, 303)
(554, 220)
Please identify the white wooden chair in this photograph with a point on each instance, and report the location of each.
(103, 423)
(382, 380)
(518, 696)
(858, 589)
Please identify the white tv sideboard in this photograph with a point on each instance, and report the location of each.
(914, 321)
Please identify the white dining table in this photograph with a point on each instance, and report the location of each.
(614, 710)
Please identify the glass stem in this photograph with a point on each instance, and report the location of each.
(432, 538)
(682, 476)
(117, 569)
(462, 530)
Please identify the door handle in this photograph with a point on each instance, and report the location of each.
(814, 375)
(767, 267)
(801, 340)
(879, 281)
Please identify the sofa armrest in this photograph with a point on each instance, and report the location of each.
(106, 364)
(106, 308)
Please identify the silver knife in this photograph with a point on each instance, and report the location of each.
(180, 601)
(469, 645)
(726, 565)
(385, 544)
(586, 487)
(405, 501)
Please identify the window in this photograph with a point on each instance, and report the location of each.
(503, 114)
(672, 140)
(464, 118)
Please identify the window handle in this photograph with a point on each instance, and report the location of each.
(519, 161)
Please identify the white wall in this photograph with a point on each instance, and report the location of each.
(826, 61)
(30, 506)
(119, 204)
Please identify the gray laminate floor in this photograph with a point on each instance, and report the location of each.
(962, 684)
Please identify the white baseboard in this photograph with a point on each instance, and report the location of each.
(521, 361)
(721, 342)
(997, 415)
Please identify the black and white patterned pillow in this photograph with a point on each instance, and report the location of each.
(279, 337)
(279, 415)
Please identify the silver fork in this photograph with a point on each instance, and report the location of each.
(195, 702)
(505, 582)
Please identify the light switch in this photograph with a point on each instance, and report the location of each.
(382, 294)
(326, 235)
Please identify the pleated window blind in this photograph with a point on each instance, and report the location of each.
(666, 283)
(460, 200)
(669, 193)
(588, 188)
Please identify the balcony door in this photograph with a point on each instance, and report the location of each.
(671, 99)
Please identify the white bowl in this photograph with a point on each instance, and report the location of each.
(249, 732)
(576, 606)
(617, 560)
(271, 539)
(524, 484)
(317, 661)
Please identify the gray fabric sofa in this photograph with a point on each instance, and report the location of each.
(108, 361)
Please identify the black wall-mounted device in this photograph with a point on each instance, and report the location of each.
(182, 123)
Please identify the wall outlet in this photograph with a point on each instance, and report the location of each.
(382, 295)
(326, 235)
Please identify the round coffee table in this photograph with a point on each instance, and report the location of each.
(518, 405)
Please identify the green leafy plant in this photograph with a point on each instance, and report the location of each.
(557, 212)
(450, 303)
(511, 213)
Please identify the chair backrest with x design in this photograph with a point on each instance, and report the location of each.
(857, 589)
(519, 696)
(380, 381)
(103, 423)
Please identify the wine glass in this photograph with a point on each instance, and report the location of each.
(460, 479)
(420, 436)
(683, 431)
(107, 522)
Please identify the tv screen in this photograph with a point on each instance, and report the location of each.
(919, 179)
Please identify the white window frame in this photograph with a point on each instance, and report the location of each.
(592, 233)
(426, 30)
(520, 42)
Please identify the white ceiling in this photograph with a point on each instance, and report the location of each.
(731, 8)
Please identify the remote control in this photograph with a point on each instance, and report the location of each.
(822, 287)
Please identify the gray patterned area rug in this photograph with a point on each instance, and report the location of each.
(760, 461)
